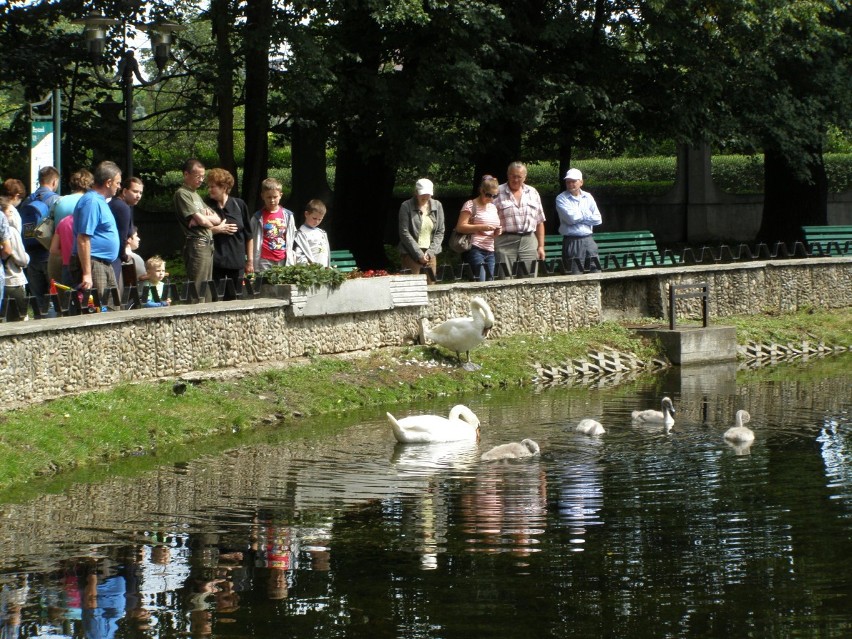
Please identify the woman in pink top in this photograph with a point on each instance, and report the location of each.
(479, 219)
(61, 244)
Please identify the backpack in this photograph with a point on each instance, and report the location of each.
(32, 214)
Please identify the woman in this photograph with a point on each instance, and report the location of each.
(421, 229)
(479, 219)
(60, 247)
(232, 239)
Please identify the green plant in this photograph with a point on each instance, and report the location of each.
(303, 276)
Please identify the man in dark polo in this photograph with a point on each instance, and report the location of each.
(196, 220)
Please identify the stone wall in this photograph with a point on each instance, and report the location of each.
(48, 358)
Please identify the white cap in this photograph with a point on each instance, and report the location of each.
(424, 187)
(573, 174)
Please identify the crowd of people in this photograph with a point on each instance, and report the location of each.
(505, 224)
(94, 239)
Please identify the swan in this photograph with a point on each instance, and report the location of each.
(462, 334)
(590, 427)
(461, 425)
(515, 450)
(651, 416)
(739, 434)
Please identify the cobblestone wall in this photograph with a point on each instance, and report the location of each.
(48, 358)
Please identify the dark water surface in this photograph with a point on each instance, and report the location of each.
(637, 533)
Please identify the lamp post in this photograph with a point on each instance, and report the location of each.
(128, 68)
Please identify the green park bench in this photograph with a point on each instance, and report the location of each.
(828, 240)
(618, 249)
(343, 260)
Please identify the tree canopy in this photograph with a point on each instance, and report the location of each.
(389, 90)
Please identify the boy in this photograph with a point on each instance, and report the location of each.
(273, 229)
(155, 273)
(311, 244)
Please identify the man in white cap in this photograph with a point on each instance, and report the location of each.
(578, 213)
(421, 229)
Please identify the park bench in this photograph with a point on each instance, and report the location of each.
(828, 240)
(342, 260)
(618, 250)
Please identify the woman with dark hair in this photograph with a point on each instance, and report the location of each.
(232, 239)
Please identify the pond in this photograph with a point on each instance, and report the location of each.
(340, 532)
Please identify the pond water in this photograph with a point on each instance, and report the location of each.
(637, 533)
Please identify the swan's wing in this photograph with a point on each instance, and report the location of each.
(424, 423)
(648, 415)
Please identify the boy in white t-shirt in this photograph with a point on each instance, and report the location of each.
(311, 241)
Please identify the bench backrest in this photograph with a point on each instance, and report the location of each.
(829, 240)
(342, 260)
(622, 247)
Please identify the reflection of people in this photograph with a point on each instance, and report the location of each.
(232, 240)
(479, 219)
(311, 243)
(103, 601)
(578, 213)
(421, 228)
(522, 218)
(13, 597)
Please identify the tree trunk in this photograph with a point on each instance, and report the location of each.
(224, 87)
(790, 199)
(310, 177)
(257, 42)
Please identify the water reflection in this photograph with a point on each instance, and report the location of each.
(635, 533)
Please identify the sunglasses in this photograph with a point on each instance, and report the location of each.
(491, 195)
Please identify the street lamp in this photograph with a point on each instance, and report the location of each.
(128, 68)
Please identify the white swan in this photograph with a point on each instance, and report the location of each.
(515, 450)
(462, 334)
(590, 427)
(461, 425)
(651, 416)
(739, 434)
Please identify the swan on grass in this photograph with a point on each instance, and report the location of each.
(651, 416)
(463, 334)
(515, 450)
(461, 425)
(590, 427)
(740, 434)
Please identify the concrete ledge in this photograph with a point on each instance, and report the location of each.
(684, 346)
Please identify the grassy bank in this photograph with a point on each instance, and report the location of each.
(151, 418)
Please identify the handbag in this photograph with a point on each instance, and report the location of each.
(460, 242)
(44, 231)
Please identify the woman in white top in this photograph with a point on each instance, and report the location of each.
(479, 219)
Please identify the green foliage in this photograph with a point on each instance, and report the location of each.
(303, 276)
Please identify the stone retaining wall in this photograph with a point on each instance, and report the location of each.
(48, 358)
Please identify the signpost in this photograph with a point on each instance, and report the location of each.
(44, 137)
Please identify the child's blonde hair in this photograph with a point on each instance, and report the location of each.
(270, 184)
(315, 206)
(154, 262)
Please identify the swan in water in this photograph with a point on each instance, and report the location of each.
(461, 425)
(739, 434)
(515, 450)
(651, 416)
(590, 427)
(463, 334)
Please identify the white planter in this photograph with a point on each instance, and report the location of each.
(361, 295)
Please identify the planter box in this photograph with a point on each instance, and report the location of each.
(362, 295)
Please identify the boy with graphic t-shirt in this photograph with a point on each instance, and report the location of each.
(311, 245)
(273, 229)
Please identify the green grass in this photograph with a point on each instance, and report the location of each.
(149, 420)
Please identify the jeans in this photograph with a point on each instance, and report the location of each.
(39, 283)
(481, 263)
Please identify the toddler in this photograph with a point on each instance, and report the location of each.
(155, 272)
(273, 229)
(311, 243)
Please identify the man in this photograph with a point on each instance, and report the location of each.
(128, 196)
(37, 275)
(522, 219)
(196, 220)
(578, 213)
(96, 234)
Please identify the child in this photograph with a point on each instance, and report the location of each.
(273, 229)
(155, 273)
(13, 266)
(311, 244)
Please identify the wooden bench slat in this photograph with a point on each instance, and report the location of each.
(617, 249)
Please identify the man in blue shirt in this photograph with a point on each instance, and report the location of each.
(578, 213)
(96, 241)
